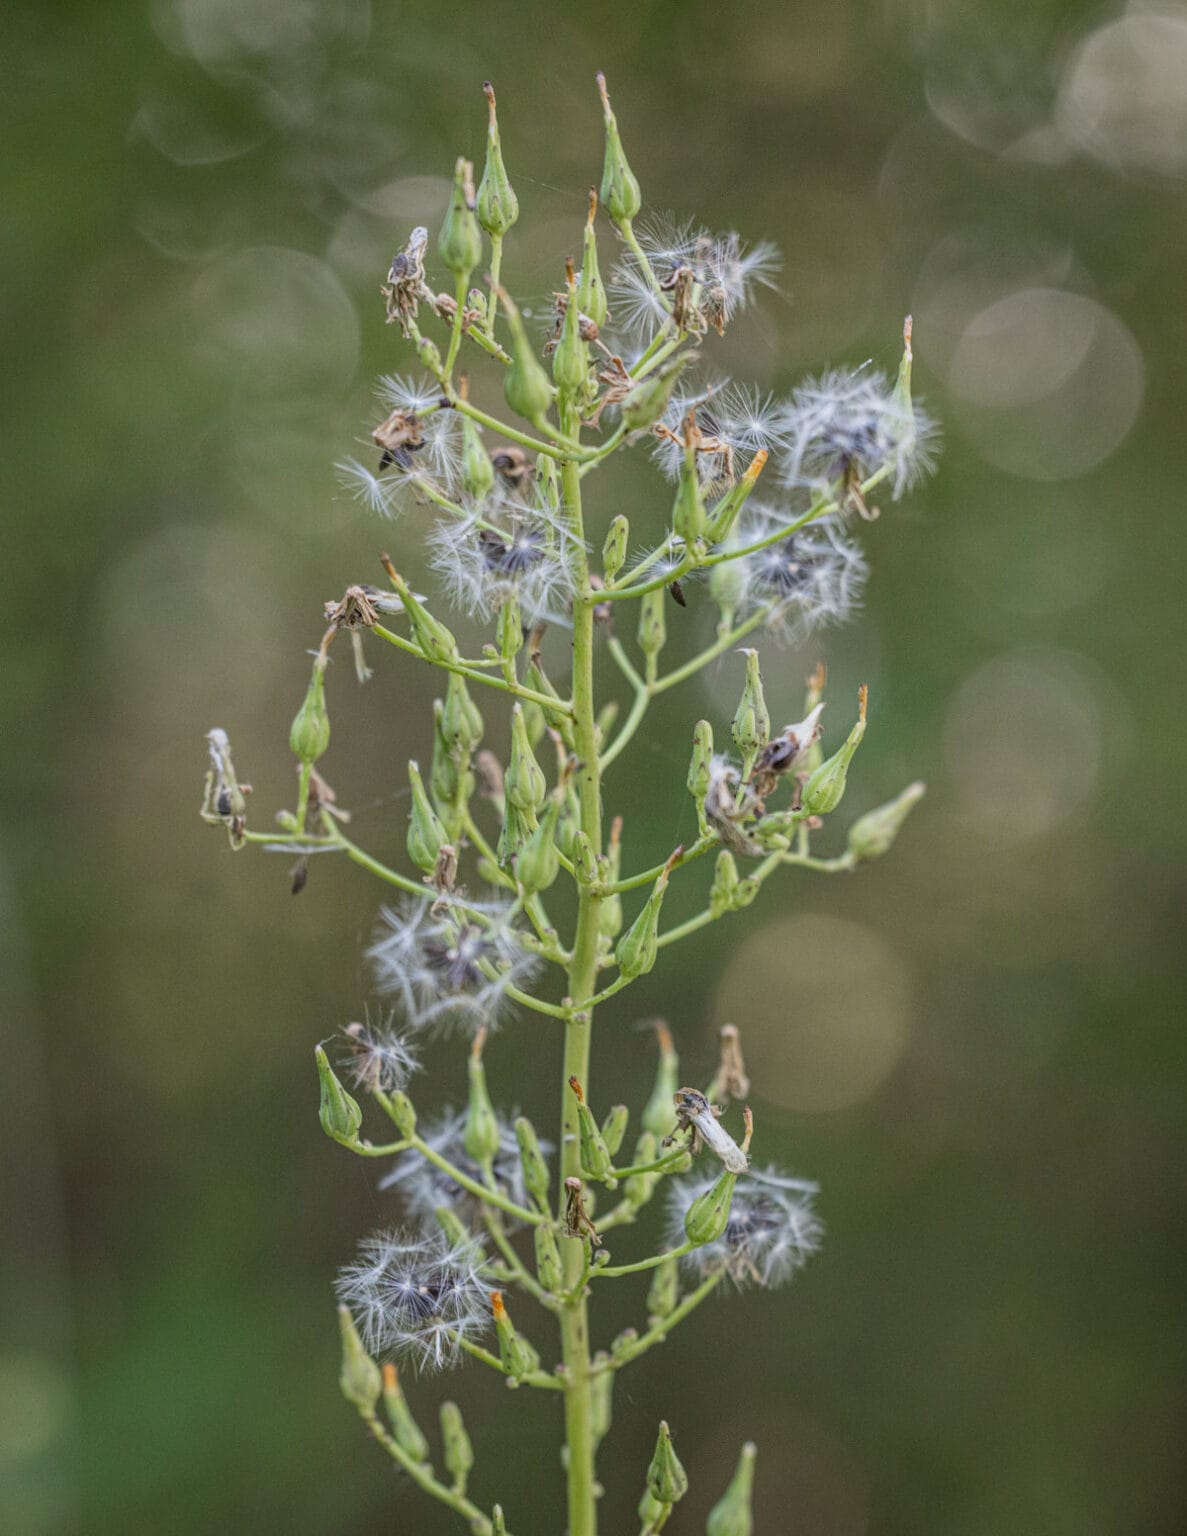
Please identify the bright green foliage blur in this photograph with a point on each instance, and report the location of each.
(973, 1043)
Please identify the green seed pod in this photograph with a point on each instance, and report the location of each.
(339, 1114)
(688, 510)
(823, 791)
(601, 1397)
(517, 827)
(585, 860)
(724, 513)
(457, 1452)
(570, 359)
(752, 722)
(725, 884)
(535, 1169)
(658, 1114)
(435, 640)
(705, 1219)
(635, 952)
(425, 832)
(481, 1134)
(664, 1291)
(698, 768)
(359, 1377)
(549, 1270)
(666, 1478)
(596, 1160)
(498, 1526)
(461, 722)
(524, 781)
(731, 1515)
(459, 244)
(444, 778)
(478, 473)
(429, 356)
(653, 628)
(591, 294)
(526, 386)
(614, 1128)
(406, 1432)
(518, 1356)
(727, 588)
(310, 733)
(537, 866)
(650, 398)
(615, 548)
(744, 893)
(509, 628)
(872, 834)
(621, 197)
(497, 206)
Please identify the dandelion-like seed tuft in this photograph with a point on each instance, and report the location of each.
(771, 1233)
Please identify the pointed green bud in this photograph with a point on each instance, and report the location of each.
(517, 827)
(731, 1515)
(724, 514)
(585, 860)
(403, 1114)
(688, 510)
(596, 1160)
(664, 1291)
(752, 722)
(614, 1128)
(725, 885)
(435, 640)
(523, 782)
(481, 1134)
(497, 205)
(498, 1526)
(537, 866)
(872, 834)
(706, 1217)
(635, 952)
(429, 356)
(658, 1114)
(570, 359)
(549, 1270)
(650, 398)
(653, 627)
(359, 1377)
(461, 723)
(698, 768)
(310, 733)
(601, 1397)
(509, 628)
(621, 197)
(666, 1478)
(339, 1114)
(459, 244)
(518, 1356)
(478, 473)
(591, 295)
(615, 548)
(444, 778)
(406, 1432)
(457, 1452)
(526, 386)
(535, 1169)
(425, 832)
(823, 791)
(727, 588)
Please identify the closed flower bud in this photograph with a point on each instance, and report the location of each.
(481, 1134)
(752, 722)
(706, 1218)
(478, 473)
(435, 640)
(658, 1116)
(406, 1432)
(585, 860)
(459, 244)
(666, 1478)
(425, 832)
(535, 1169)
(653, 628)
(517, 827)
(497, 206)
(526, 386)
(872, 834)
(698, 768)
(724, 514)
(359, 1377)
(509, 628)
(457, 1452)
(615, 548)
(614, 1128)
(429, 356)
(731, 1515)
(725, 884)
(664, 1291)
(310, 733)
(549, 1270)
(537, 865)
(518, 1356)
(823, 791)
(650, 398)
(339, 1114)
(570, 359)
(636, 951)
(523, 782)
(444, 778)
(596, 1160)
(621, 197)
(461, 722)
(498, 1526)
(688, 510)
(591, 295)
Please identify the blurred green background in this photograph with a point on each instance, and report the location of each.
(976, 1045)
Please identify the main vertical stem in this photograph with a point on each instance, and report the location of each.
(583, 972)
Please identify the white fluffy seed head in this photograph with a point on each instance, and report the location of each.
(771, 1233)
(850, 422)
(375, 1056)
(808, 580)
(480, 563)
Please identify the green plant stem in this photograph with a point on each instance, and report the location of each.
(843, 862)
(519, 1271)
(658, 1332)
(561, 449)
(459, 319)
(424, 1476)
(546, 701)
(653, 1262)
(496, 267)
(582, 978)
(303, 795)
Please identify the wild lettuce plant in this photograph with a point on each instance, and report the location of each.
(768, 495)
